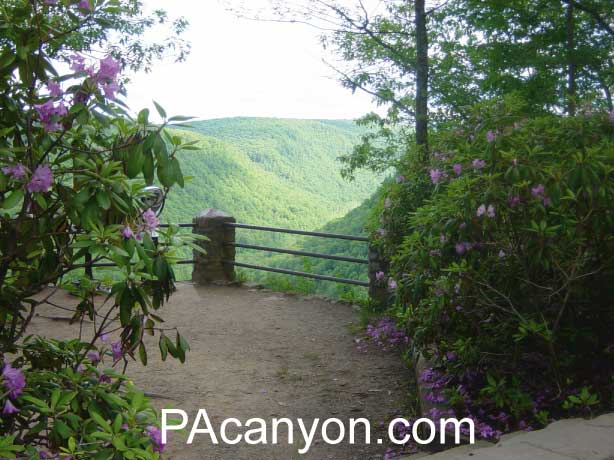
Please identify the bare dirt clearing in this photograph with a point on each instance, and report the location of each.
(263, 354)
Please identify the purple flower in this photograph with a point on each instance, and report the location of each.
(379, 276)
(51, 2)
(451, 356)
(436, 176)
(17, 171)
(443, 239)
(110, 89)
(502, 254)
(116, 350)
(94, 356)
(85, 5)
(513, 201)
(150, 220)
(400, 179)
(54, 88)
(155, 435)
(109, 68)
(481, 210)
(9, 408)
(490, 211)
(14, 380)
(538, 190)
(458, 169)
(48, 112)
(547, 201)
(463, 247)
(392, 284)
(77, 63)
(478, 163)
(127, 232)
(41, 180)
(491, 136)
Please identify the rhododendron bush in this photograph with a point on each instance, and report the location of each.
(73, 168)
(504, 266)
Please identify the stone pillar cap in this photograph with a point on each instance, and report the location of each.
(211, 212)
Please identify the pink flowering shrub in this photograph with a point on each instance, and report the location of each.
(73, 169)
(504, 265)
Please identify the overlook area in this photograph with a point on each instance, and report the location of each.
(320, 229)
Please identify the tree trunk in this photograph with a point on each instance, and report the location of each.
(571, 61)
(422, 78)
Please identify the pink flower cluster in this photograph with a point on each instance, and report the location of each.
(40, 181)
(385, 334)
(14, 382)
(50, 114)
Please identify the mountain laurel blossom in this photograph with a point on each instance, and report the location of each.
(155, 435)
(48, 113)
(127, 232)
(77, 63)
(538, 191)
(109, 69)
(9, 408)
(514, 201)
(116, 351)
(14, 380)
(16, 172)
(481, 210)
(491, 136)
(379, 276)
(150, 220)
(54, 88)
(478, 163)
(41, 180)
(458, 169)
(436, 176)
(490, 211)
(392, 284)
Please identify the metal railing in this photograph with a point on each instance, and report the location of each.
(298, 253)
(293, 252)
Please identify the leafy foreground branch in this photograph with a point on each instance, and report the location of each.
(74, 166)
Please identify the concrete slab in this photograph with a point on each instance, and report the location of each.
(577, 439)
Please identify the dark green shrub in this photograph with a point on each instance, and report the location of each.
(505, 274)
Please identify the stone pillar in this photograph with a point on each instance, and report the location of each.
(209, 267)
(378, 289)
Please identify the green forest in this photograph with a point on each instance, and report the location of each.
(280, 173)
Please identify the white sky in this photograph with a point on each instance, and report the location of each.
(240, 67)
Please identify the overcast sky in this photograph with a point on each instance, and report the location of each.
(241, 67)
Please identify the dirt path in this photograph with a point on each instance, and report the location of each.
(263, 354)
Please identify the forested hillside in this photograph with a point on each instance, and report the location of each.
(273, 172)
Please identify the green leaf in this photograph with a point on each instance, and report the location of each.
(13, 199)
(143, 117)
(160, 110)
(143, 354)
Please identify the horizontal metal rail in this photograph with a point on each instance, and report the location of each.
(178, 225)
(112, 264)
(299, 232)
(295, 273)
(299, 253)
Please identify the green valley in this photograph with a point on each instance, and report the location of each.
(276, 172)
